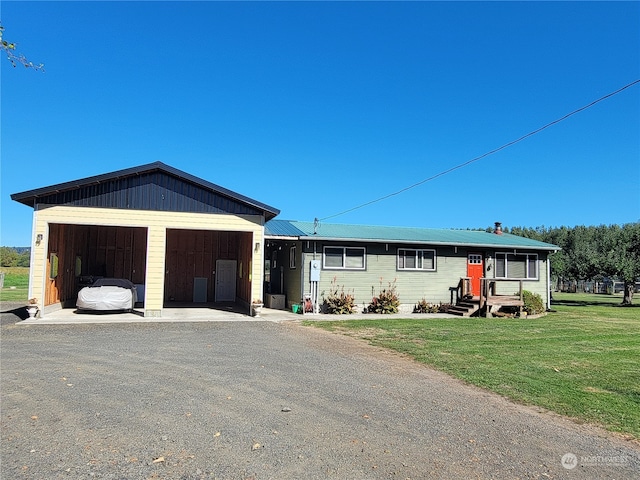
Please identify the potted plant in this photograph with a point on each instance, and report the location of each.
(32, 307)
(256, 307)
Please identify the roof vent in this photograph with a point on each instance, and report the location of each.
(498, 229)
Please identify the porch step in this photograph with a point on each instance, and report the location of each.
(465, 307)
(462, 312)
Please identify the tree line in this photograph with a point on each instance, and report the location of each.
(592, 253)
(14, 257)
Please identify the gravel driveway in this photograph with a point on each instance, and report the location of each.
(261, 400)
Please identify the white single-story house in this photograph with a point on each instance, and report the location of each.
(303, 259)
(180, 239)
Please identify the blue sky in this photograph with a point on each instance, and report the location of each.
(315, 108)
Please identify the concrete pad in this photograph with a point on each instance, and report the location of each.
(206, 314)
(192, 314)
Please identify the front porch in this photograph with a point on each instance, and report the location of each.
(489, 301)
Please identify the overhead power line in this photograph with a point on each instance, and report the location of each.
(491, 152)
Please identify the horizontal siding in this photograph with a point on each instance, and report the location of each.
(38, 267)
(539, 286)
(412, 286)
(154, 288)
(157, 224)
(143, 218)
(257, 265)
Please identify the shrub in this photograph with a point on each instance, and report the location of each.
(533, 303)
(387, 300)
(337, 301)
(424, 307)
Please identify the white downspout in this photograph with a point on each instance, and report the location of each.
(549, 281)
(32, 254)
(303, 259)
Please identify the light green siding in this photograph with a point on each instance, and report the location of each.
(452, 248)
(411, 286)
(381, 270)
(539, 286)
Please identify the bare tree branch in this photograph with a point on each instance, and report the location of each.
(9, 49)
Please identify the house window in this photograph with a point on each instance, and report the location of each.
(409, 259)
(517, 266)
(292, 257)
(345, 258)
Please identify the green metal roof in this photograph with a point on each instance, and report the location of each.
(371, 233)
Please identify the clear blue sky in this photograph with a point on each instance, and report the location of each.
(314, 108)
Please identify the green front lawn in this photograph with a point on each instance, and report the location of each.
(582, 360)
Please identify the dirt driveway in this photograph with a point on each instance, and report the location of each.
(261, 400)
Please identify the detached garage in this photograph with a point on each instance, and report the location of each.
(180, 239)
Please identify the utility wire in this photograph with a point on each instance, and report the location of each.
(469, 162)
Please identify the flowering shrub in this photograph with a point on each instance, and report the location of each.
(337, 301)
(424, 307)
(387, 300)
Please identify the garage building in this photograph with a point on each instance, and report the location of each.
(182, 240)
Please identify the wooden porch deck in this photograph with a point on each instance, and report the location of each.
(488, 300)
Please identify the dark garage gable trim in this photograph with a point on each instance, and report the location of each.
(153, 191)
(150, 187)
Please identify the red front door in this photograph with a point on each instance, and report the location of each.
(475, 271)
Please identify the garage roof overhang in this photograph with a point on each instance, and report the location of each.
(154, 186)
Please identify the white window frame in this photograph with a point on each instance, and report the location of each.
(344, 258)
(292, 257)
(528, 258)
(419, 259)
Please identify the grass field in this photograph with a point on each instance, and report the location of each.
(17, 277)
(582, 360)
